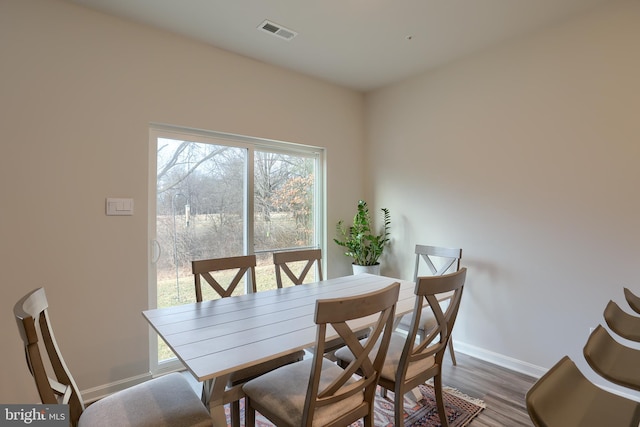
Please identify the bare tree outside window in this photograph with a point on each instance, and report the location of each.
(201, 210)
(284, 191)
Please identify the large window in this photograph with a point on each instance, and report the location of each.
(219, 195)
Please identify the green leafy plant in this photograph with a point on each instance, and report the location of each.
(361, 243)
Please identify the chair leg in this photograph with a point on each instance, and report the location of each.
(451, 353)
(437, 387)
(368, 420)
(249, 414)
(398, 407)
(235, 413)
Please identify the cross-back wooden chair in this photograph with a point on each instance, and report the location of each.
(204, 268)
(412, 361)
(318, 392)
(611, 359)
(564, 397)
(439, 260)
(164, 401)
(242, 264)
(283, 260)
(621, 322)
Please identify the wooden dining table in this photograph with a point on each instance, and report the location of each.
(215, 338)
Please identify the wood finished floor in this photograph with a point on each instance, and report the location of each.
(501, 389)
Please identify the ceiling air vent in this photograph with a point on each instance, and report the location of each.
(277, 30)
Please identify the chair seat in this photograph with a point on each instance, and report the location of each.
(284, 391)
(161, 402)
(612, 360)
(428, 321)
(621, 322)
(632, 299)
(392, 361)
(565, 397)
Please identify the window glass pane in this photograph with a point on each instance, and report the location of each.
(284, 208)
(220, 195)
(284, 201)
(200, 205)
(199, 211)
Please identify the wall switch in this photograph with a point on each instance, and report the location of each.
(116, 206)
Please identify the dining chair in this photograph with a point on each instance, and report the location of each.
(564, 397)
(239, 266)
(165, 401)
(632, 299)
(439, 261)
(612, 360)
(318, 392)
(284, 261)
(621, 322)
(411, 360)
(203, 269)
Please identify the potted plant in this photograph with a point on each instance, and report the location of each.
(362, 244)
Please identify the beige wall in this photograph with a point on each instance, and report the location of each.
(526, 156)
(78, 90)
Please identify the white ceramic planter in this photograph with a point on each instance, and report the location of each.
(371, 269)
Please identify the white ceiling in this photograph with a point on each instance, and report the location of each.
(361, 44)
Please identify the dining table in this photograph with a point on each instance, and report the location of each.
(215, 338)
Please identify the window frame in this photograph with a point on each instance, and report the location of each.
(251, 144)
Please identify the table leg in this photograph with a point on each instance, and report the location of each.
(212, 396)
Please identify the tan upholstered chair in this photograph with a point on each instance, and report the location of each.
(621, 322)
(439, 261)
(316, 391)
(564, 397)
(241, 266)
(613, 360)
(165, 401)
(202, 269)
(412, 361)
(632, 299)
(283, 262)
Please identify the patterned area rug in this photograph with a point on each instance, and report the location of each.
(461, 410)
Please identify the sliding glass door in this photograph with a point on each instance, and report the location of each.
(219, 195)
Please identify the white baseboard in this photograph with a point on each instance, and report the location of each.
(95, 393)
(500, 360)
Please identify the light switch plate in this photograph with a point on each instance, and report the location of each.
(116, 206)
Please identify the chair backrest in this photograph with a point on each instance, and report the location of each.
(333, 315)
(612, 360)
(632, 299)
(241, 264)
(565, 397)
(439, 260)
(435, 340)
(621, 322)
(282, 261)
(33, 322)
